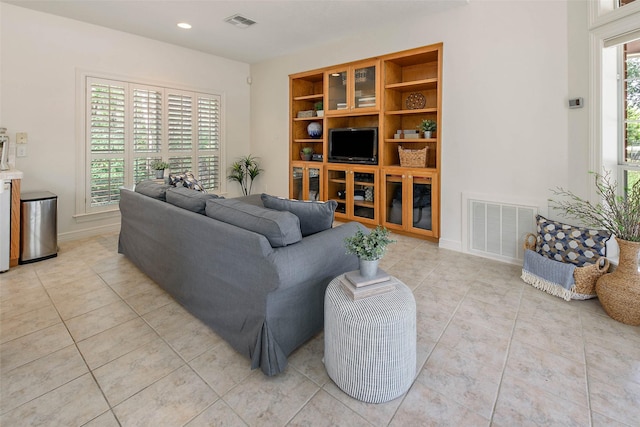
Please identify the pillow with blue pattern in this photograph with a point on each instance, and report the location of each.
(186, 179)
(567, 243)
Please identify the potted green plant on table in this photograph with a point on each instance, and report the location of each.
(427, 127)
(244, 170)
(619, 291)
(319, 107)
(306, 153)
(369, 248)
(159, 166)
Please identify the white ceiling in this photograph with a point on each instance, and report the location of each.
(283, 26)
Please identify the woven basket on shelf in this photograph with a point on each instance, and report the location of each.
(585, 277)
(413, 158)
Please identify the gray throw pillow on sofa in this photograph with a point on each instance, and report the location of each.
(280, 228)
(314, 216)
(152, 189)
(186, 198)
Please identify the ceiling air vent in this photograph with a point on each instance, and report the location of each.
(239, 21)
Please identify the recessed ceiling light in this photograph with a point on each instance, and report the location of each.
(184, 25)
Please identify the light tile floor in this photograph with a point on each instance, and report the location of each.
(86, 339)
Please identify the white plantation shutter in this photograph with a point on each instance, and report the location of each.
(180, 121)
(130, 126)
(106, 138)
(147, 120)
(208, 123)
(208, 112)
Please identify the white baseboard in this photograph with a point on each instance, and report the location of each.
(88, 232)
(454, 245)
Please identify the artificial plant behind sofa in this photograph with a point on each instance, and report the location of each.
(261, 290)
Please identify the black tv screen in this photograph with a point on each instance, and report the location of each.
(354, 145)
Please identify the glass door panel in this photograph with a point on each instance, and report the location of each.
(393, 202)
(337, 94)
(364, 195)
(314, 184)
(337, 189)
(421, 214)
(297, 183)
(364, 87)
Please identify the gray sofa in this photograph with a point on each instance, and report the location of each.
(264, 301)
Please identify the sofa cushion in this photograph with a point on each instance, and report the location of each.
(314, 216)
(280, 228)
(152, 189)
(568, 243)
(189, 199)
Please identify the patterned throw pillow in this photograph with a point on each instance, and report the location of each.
(186, 179)
(567, 243)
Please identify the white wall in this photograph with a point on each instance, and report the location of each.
(505, 122)
(40, 56)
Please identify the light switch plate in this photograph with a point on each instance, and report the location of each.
(22, 150)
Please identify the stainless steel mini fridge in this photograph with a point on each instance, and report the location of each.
(38, 226)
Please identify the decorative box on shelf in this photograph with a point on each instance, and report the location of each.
(306, 113)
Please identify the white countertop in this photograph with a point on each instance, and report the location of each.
(11, 174)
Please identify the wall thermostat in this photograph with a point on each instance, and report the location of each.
(576, 103)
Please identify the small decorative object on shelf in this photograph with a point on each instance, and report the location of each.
(305, 114)
(319, 107)
(159, 166)
(306, 153)
(427, 127)
(314, 129)
(244, 171)
(415, 101)
(618, 292)
(369, 248)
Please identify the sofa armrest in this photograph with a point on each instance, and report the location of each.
(319, 255)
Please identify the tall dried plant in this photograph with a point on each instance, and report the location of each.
(619, 215)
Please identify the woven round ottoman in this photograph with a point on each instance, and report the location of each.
(370, 344)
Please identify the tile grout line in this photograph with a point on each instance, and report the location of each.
(506, 359)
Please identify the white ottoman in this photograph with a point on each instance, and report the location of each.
(370, 344)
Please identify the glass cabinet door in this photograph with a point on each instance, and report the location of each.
(297, 176)
(409, 203)
(315, 178)
(393, 198)
(421, 199)
(337, 189)
(337, 91)
(306, 183)
(363, 190)
(364, 84)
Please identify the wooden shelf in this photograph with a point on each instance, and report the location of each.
(405, 141)
(418, 111)
(417, 85)
(307, 119)
(314, 97)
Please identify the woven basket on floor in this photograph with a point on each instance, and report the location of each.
(413, 158)
(585, 277)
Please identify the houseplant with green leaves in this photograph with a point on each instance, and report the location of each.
(244, 171)
(427, 127)
(159, 166)
(369, 248)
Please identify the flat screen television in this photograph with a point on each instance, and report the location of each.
(354, 145)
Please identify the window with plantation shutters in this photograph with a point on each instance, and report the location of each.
(129, 126)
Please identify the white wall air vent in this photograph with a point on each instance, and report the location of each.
(239, 21)
(497, 229)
